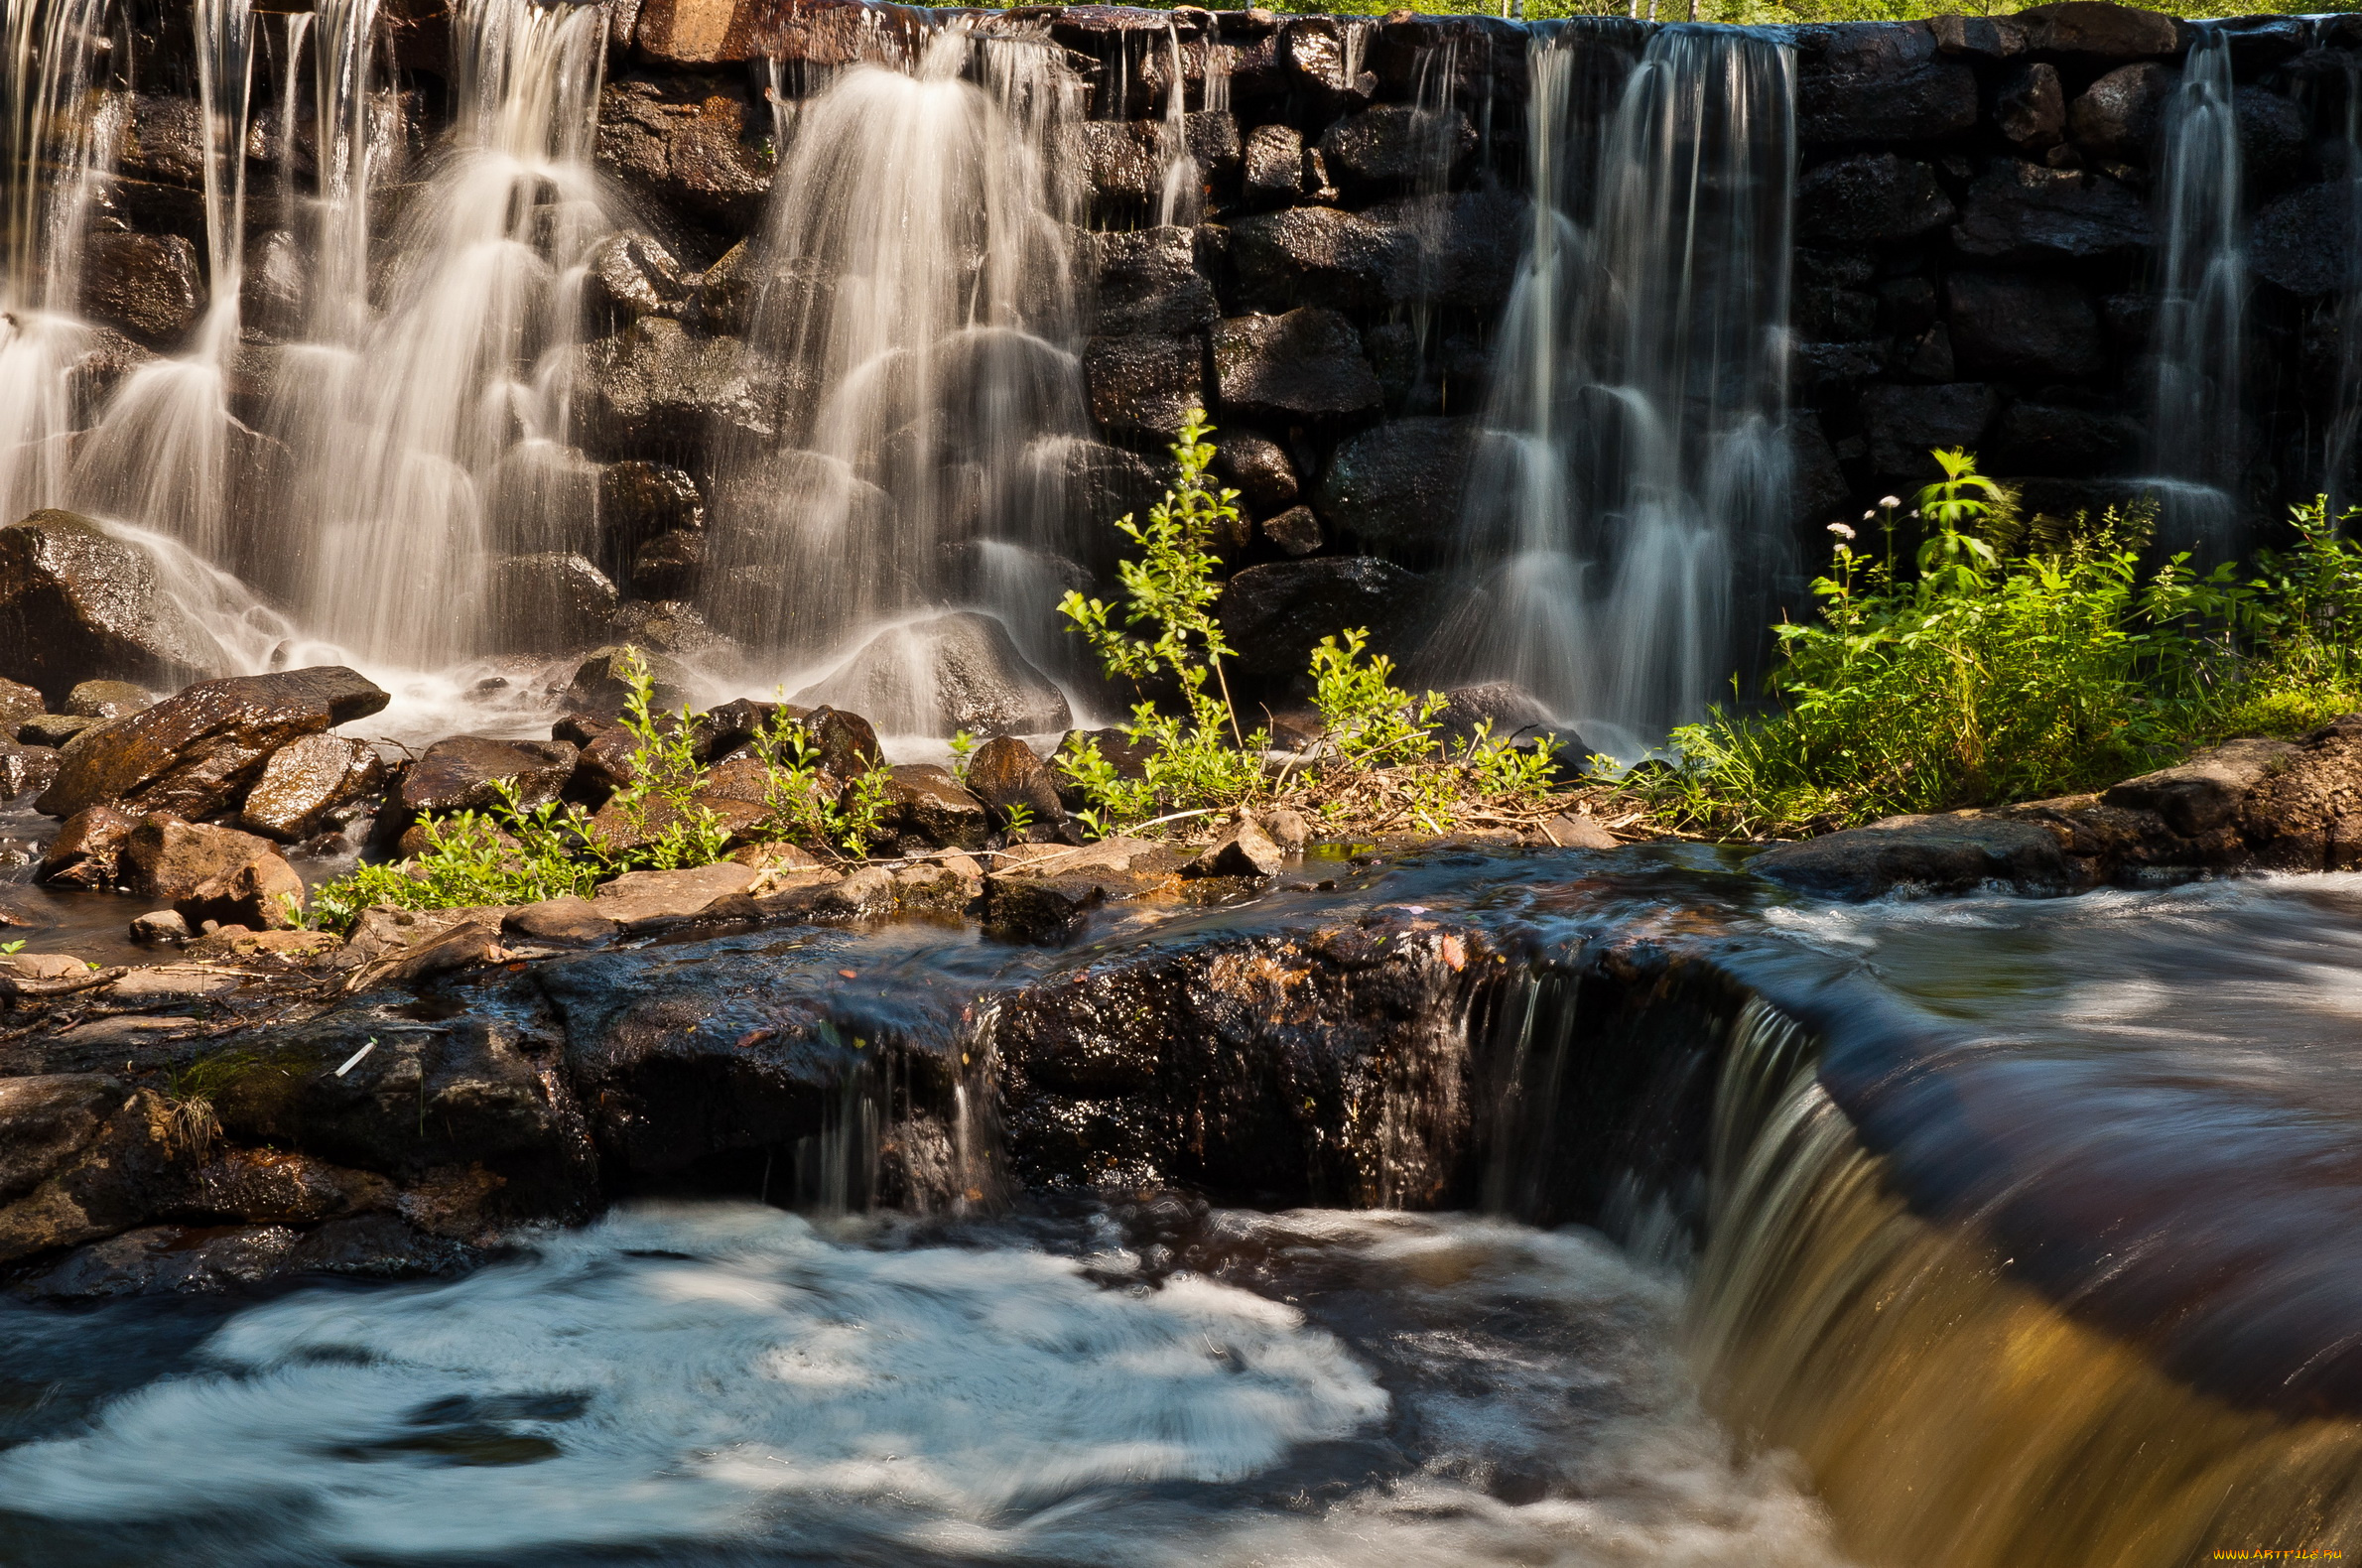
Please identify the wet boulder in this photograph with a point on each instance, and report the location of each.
(1321, 256)
(19, 702)
(2117, 117)
(652, 391)
(929, 804)
(462, 1091)
(941, 675)
(2272, 136)
(2030, 107)
(45, 1120)
(195, 753)
(262, 895)
(1274, 166)
(1294, 532)
(465, 772)
(1880, 82)
(1330, 1065)
(284, 1187)
(77, 603)
(1513, 714)
(2019, 211)
(136, 1165)
(1144, 384)
(2201, 795)
(2095, 31)
(306, 779)
(55, 731)
(2303, 242)
(168, 860)
(2024, 326)
(1005, 772)
(640, 501)
(170, 1260)
(684, 144)
(25, 770)
(88, 848)
(549, 602)
(599, 686)
(1870, 197)
(1260, 469)
(1304, 365)
(626, 276)
(1953, 853)
(1274, 616)
(668, 565)
(145, 285)
(1396, 487)
(1389, 146)
(108, 700)
(1241, 848)
(1465, 249)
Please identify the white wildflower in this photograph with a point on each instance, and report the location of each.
(1841, 530)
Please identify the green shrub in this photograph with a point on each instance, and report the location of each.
(2020, 659)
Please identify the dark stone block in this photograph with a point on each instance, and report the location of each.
(1870, 197)
(1276, 615)
(1305, 364)
(2024, 326)
(1906, 422)
(1144, 384)
(1396, 487)
(2024, 213)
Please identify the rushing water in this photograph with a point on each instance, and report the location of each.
(1627, 505)
(1152, 1384)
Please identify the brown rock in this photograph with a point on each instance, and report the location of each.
(164, 858)
(108, 700)
(286, 1187)
(235, 940)
(18, 703)
(929, 802)
(306, 779)
(173, 1258)
(2094, 31)
(76, 601)
(948, 883)
(1005, 772)
(1287, 829)
(193, 753)
(1577, 831)
(136, 1166)
(645, 896)
(88, 848)
(45, 1120)
(25, 770)
(2202, 794)
(567, 922)
(159, 928)
(1241, 849)
(263, 894)
(462, 772)
(147, 285)
(1294, 532)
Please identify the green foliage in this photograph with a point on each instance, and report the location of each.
(1016, 816)
(962, 750)
(11, 947)
(2021, 660)
(796, 793)
(1370, 721)
(665, 824)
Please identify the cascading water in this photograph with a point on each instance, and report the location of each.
(1627, 500)
(919, 306)
(2341, 456)
(433, 436)
(166, 455)
(59, 143)
(2195, 428)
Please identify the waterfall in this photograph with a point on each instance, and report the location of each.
(165, 454)
(1951, 1416)
(1627, 500)
(2195, 422)
(430, 435)
(2341, 454)
(56, 146)
(919, 304)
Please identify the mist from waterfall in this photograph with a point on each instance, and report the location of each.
(1628, 500)
(2195, 416)
(919, 304)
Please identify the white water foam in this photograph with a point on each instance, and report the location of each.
(722, 1378)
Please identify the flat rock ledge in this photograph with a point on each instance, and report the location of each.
(2250, 805)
